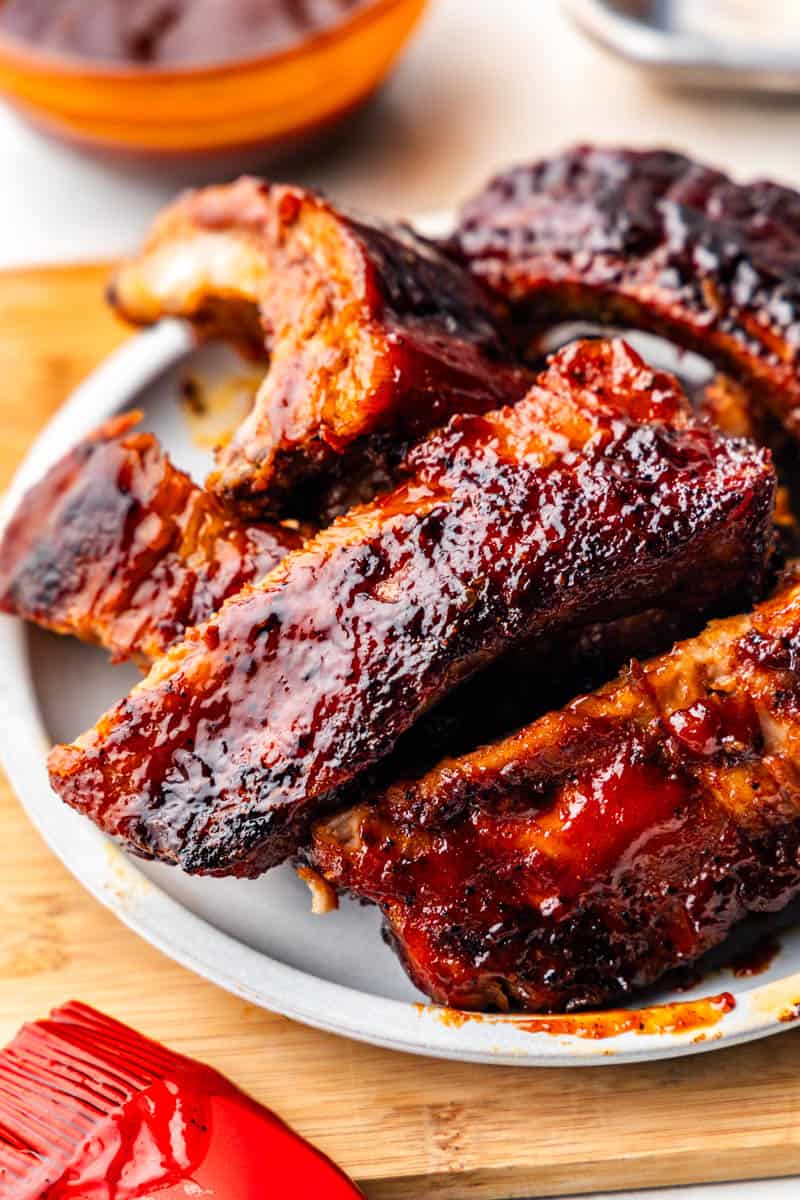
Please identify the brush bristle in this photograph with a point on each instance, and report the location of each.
(58, 1079)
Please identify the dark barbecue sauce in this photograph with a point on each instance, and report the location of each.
(169, 32)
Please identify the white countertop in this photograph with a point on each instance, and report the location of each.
(482, 85)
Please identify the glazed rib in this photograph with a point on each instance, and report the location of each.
(587, 501)
(116, 546)
(375, 336)
(604, 844)
(651, 240)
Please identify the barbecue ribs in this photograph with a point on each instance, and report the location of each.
(375, 336)
(651, 240)
(117, 546)
(589, 500)
(604, 844)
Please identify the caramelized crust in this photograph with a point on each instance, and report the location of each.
(732, 409)
(583, 503)
(533, 679)
(375, 336)
(650, 239)
(604, 844)
(730, 406)
(117, 546)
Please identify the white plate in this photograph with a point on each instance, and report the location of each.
(258, 938)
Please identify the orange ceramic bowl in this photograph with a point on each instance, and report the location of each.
(274, 99)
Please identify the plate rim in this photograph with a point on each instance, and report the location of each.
(114, 879)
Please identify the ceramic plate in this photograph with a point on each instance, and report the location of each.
(258, 938)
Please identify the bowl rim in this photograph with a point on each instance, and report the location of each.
(26, 56)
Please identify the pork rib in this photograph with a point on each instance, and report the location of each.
(585, 502)
(604, 844)
(374, 335)
(651, 240)
(116, 546)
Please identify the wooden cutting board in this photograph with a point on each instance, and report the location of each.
(406, 1128)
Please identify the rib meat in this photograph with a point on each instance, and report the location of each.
(652, 240)
(731, 407)
(117, 546)
(375, 336)
(585, 502)
(604, 844)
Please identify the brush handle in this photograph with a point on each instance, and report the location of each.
(91, 1110)
(254, 1156)
(202, 1133)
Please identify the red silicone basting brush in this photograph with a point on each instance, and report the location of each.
(91, 1110)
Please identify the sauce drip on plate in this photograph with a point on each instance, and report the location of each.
(680, 1017)
(756, 959)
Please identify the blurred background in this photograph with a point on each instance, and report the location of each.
(478, 85)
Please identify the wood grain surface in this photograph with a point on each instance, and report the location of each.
(406, 1128)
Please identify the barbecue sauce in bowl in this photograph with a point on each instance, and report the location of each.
(155, 78)
(168, 33)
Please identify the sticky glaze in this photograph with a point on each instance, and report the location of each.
(651, 240)
(213, 411)
(585, 501)
(603, 845)
(116, 546)
(375, 336)
(684, 1016)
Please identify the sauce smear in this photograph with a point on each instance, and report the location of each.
(680, 1017)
